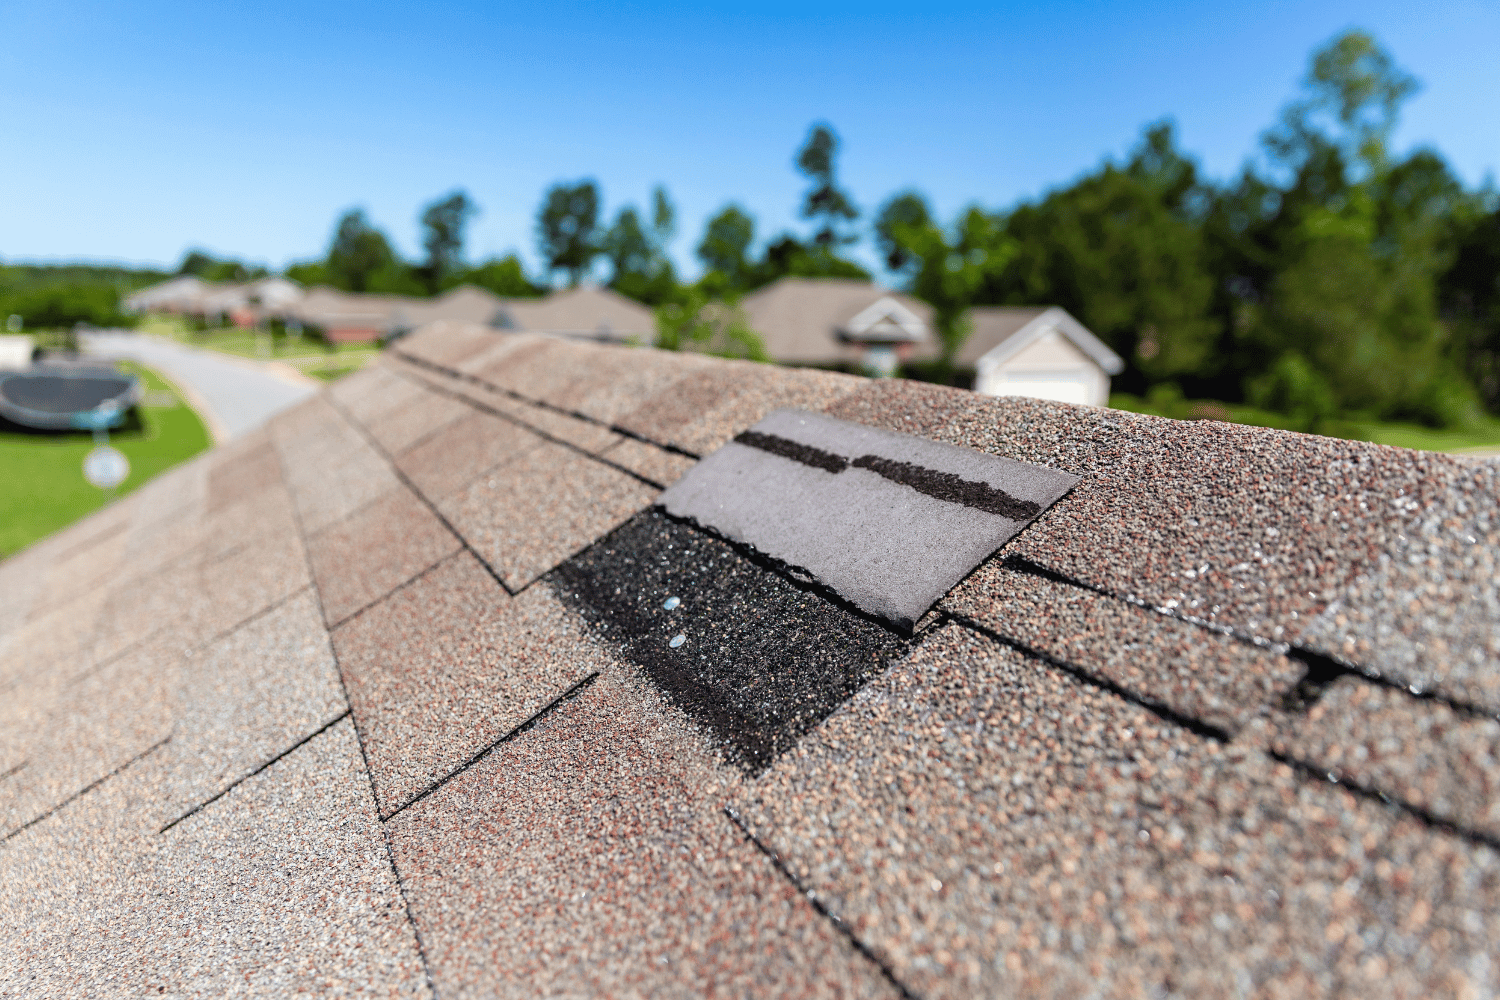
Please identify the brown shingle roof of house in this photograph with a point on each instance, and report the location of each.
(588, 312)
(374, 700)
(799, 319)
(991, 326)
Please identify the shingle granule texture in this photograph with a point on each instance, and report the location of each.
(463, 451)
(761, 661)
(447, 665)
(244, 700)
(542, 507)
(647, 461)
(373, 394)
(382, 696)
(79, 733)
(243, 474)
(281, 888)
(415, 420)
(991, 826)
(1258, 530)
(365, 556)
(330, 469)
(1421, 752)
(1212, 678)
(449, 344)
(587, 858)
(703, 411)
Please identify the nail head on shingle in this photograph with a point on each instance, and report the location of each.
(671, 603)
(677, 640)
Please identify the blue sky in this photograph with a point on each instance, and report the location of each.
(135, 131)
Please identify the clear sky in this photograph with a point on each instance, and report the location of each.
(134, 131)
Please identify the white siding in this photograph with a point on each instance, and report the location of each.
(1050, 367)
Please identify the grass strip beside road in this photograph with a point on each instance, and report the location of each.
(42, 488)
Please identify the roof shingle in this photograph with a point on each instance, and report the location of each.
(402, 666)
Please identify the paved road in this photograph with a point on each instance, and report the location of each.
(239, 394)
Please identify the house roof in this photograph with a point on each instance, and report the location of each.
(802, 320)
(1000, 332)
(384, 698)
(179, 293)
(585, 312)
(588, 312)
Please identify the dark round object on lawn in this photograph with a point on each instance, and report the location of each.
(59, 399)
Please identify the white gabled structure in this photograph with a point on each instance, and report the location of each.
(1042, 353)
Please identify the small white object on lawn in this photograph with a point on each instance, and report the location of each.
(105, 467)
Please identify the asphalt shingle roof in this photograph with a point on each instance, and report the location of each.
(384, 700)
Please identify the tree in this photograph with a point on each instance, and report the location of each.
(202, 264)
(1469, 295)
(307, 272)
(1354, 93)
(946, 269)
(640, 267)
(726, 244)
(1122, 250)
(196, 263)
(443, 224)
(356, 252)
(566, 228)
(826, 201)
(707, 325)
(1331, 259)
(906, 210)
(663, 218)
(786, 256)
(504, 276)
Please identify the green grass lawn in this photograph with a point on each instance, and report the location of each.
(42, 487)
(1483, 434)
(263, 347)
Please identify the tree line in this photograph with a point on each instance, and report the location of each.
(1330, 278)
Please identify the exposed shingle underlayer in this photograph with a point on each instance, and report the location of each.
(379, 700)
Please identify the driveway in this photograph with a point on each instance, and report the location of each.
(233, 395)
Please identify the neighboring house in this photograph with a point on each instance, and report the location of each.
(246, 304)
(243, 303)
(839, 322)
(1037, 351)
(346, 316)
(181, 296)
(587, 312)
(466, 303)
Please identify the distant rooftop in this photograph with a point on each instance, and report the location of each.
(418, 692)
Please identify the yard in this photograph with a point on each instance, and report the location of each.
(309, 355)
(42, 488)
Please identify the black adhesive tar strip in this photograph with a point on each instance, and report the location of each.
(939, 485)
(813, 457)
(891, 530)
(954, 489)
